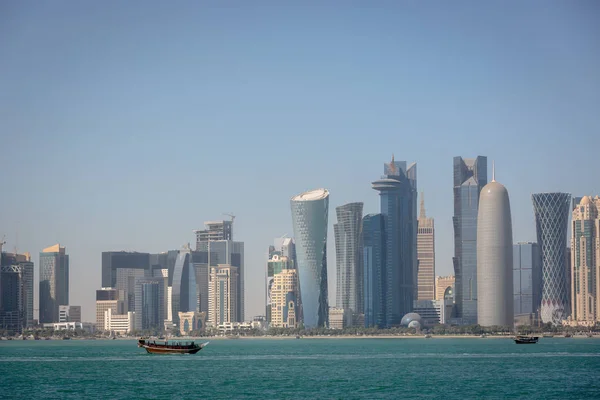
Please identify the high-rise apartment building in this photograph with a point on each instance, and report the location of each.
(585, 261)
(374, 241)
(425, 255)
(348, 257)
(214, 230)
(551, 220)
(54, 282)
(527, 278)
(470, 176)
(284, 299)
(277, 264)
(223, 291)
(494, 257)
(309, 220)
(16, 291)
(444, 287)
(398, 195)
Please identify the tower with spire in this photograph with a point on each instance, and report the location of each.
(425, 255)
(398, 207)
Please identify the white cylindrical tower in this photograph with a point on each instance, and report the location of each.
(494, 257)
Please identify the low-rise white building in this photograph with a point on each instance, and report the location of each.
(119, 323)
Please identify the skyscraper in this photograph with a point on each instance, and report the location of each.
(149, 303)
(16, 291)
(112, 261)
(277, 264)
(585, 261)
(214, 230)
(551, 220)
(348, 259)
(54, 282)
(309, 220)
(527, 278)
(374, 295)
(183, 292)
(398, 195)
(494, 257)
(470, 176)
(284, 299)
(425, 255)
(226, 252)
(222, 292)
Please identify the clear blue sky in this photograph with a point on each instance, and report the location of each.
(126, 124)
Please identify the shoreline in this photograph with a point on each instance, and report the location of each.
(340, 337)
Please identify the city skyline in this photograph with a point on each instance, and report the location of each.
(406, 79)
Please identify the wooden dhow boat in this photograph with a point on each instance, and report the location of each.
(526, 339)
(173, 347)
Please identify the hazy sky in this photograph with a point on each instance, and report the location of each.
(126, 124)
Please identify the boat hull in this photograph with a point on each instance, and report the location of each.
(157, 350)
(170, 348)
(526, 340)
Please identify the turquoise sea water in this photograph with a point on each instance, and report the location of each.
(555, 368)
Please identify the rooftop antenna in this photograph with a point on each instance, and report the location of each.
(422, 214)
(493, 171)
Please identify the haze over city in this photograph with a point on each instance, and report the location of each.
(126, 127)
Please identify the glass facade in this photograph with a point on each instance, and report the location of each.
(114, 260)
(551, 219)
(183, 292)
(527, 278)
(470, 176)
(149, 303)
(398, 196)
(54, 283)
(373, 239)
(348, 250)
(309, 220)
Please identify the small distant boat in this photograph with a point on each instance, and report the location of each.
(482, 336)
(171, 348)
(66, 338)
(522, 339)
(297, 336)
(428, 336)
(568, 335)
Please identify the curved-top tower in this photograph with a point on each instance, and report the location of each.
(494, 257)
(551, 221)
(309, 220)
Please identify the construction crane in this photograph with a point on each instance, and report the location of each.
(2, 243)
(231, 216)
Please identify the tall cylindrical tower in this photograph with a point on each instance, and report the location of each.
(309, 220)
(494, 257)
(551, 221)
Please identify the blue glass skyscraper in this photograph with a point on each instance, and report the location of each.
(373, 238)
(398, 195)
(470, 176)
